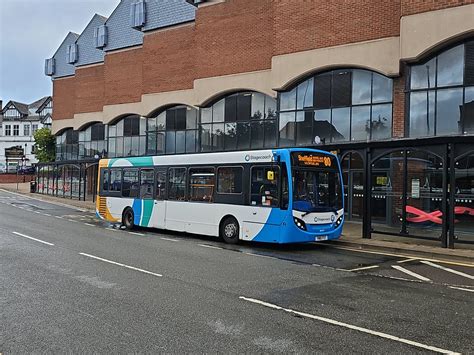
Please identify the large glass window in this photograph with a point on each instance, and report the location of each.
(173, 131)
(127, 137)
(440, 93)
(67, 145)
(245, 120)
(93, 141)
(337, 106)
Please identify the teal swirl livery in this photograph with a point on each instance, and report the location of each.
(273, 196)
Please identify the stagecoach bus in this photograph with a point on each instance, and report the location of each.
(276, 196)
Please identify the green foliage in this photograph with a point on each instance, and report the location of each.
(45, 145)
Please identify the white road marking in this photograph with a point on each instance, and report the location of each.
(171, 240)
(90, 225)
(209, 246)
(47, 214)
(71, 220)
(406, 260)
(134, 233)
(120, 264)
(37, 212)
(350, 326)
(462, 289)
(365, 268)
(36, 240)
(401, 255)
(58, 217)
(261, 256)
(448, 269)
(411, 273)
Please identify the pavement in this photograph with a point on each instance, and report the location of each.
(72, 283)
(351, 237)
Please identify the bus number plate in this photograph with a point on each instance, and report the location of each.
(320, 238)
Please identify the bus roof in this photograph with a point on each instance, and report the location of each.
(238, 157)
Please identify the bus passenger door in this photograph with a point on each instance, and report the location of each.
(159, 207)
(146, 196)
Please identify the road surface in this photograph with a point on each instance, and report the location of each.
(69, 282)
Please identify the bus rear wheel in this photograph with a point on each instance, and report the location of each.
(230, 230)
(128, 218)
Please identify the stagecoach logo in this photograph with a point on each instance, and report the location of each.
(251, 157)
(324, 219)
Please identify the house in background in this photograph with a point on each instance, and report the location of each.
(18, 123)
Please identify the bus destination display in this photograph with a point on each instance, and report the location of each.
(313, 160)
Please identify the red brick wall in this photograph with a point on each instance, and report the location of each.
(170, 60)
(410, 7)
(234, 37)
(302, 25)
(123, 76)
(13, 178)
(89, 89)
(64, 98)
(398, 120)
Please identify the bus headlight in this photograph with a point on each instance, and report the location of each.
(300, 223)
(338, 222)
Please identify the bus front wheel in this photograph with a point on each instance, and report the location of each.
(230, 230)
(127, 218)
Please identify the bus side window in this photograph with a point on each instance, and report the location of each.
(146, 183)
(130, 185)
(105, 180)
(229, 180)
(201, 184)
(115, 180)
(160, 185)
(177, 184)
(264, 186)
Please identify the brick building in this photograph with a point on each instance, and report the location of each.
(389, 85)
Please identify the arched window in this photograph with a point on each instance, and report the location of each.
(93, 141)
(127, 137)
(441, 93)
(239, 121)
(340, 105)
(67, 145)
(173, 131)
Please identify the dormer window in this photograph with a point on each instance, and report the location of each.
(100, 36)
(49, 66)
(137, 13)
(71, 53)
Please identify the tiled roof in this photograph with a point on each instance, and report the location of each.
(164, 13)
(62, 67)
(88, 53)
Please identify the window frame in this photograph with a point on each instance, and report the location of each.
(132, 169)
(217, 180)
(265, 165)
(188, 183)
(141, 196)
(434, 91)
(161, 170)
(185, 183)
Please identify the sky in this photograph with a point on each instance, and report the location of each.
(30, 32)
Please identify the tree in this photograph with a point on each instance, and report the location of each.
(45, 144)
